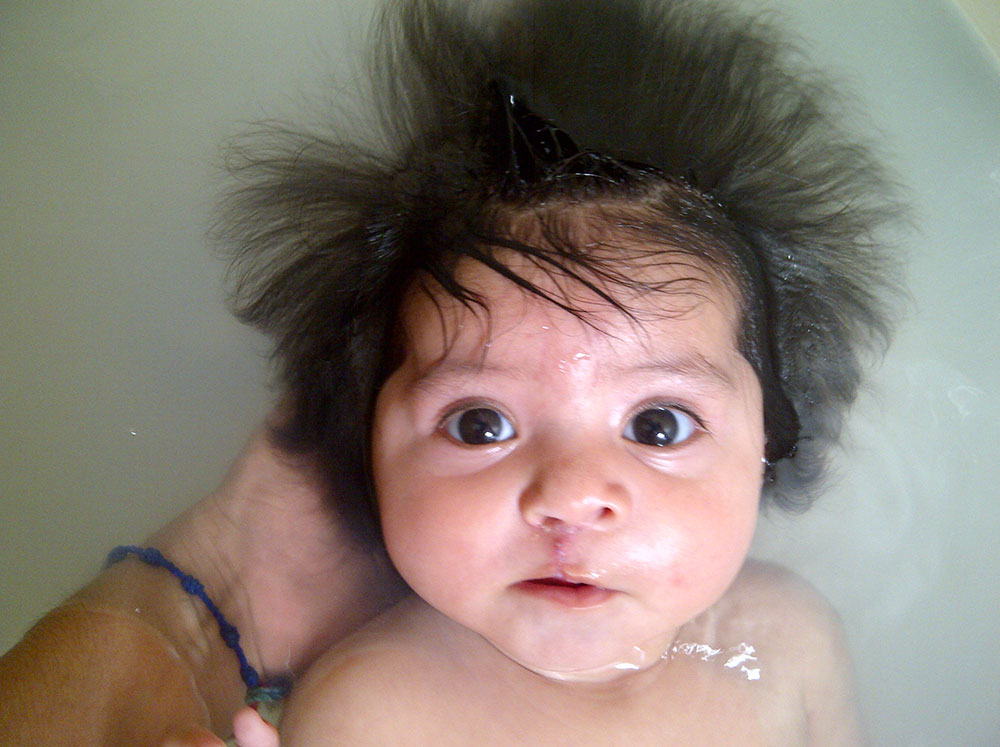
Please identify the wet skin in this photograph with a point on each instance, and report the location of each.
(611, 486)
(568, 502)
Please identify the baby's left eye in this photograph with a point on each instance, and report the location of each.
(660, 426)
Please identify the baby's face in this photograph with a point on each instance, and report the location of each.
(573, 495)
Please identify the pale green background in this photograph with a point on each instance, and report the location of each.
(125, 389)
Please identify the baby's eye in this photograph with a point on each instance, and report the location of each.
(660, 426)
(479, 426)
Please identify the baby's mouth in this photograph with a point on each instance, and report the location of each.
(565, 591)
(557, 581)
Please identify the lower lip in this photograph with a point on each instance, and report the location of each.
(579, 596)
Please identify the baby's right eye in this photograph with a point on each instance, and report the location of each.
(478, 426)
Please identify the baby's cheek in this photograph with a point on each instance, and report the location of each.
(420, 536)
(722, 557)
(695, 558)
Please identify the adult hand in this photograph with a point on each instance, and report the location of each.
(269, 546)
(249, 730)
(132, 658)
(288, 573)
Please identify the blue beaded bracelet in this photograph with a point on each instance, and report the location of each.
(257, 691)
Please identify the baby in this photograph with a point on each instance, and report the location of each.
(595, 291)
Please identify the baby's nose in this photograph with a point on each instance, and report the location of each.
(575, 492)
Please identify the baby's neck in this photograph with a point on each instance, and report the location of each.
(635, 666)
(642, 670)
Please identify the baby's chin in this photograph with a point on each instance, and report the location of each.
(596, 670)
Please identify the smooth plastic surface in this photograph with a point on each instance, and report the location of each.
(126, 389)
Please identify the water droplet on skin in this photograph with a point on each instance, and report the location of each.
(738, 656)
(743, 653)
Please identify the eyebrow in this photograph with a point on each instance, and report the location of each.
(438, 374)
(694, 367)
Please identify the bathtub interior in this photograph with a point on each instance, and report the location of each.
(127, 388)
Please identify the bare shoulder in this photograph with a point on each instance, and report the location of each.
(381, 685)
(347, 699)
(770, 594)
(799, 640)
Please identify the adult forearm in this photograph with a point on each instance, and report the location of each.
(126, 661)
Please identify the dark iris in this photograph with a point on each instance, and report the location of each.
(479, 425)
(655, 427)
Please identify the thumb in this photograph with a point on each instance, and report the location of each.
(253, 731)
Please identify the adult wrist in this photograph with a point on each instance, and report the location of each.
(152, 598)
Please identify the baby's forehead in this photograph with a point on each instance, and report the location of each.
(679, 297)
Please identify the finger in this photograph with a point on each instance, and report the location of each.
(251, 730)
(193, 736)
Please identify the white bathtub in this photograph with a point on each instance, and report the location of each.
(126, 388)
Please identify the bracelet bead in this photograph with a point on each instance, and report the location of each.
(257, 691)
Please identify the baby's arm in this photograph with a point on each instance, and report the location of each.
(352, 700)
(318, 713)
(830, 699)
(813, 650)
(803, 655)
(396, 681)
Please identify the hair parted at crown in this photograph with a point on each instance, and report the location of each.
(696, 91)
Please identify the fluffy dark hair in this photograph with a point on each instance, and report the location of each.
(685, 125)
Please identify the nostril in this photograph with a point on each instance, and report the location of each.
(570, 522)
(556, 525)
(560, 500)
